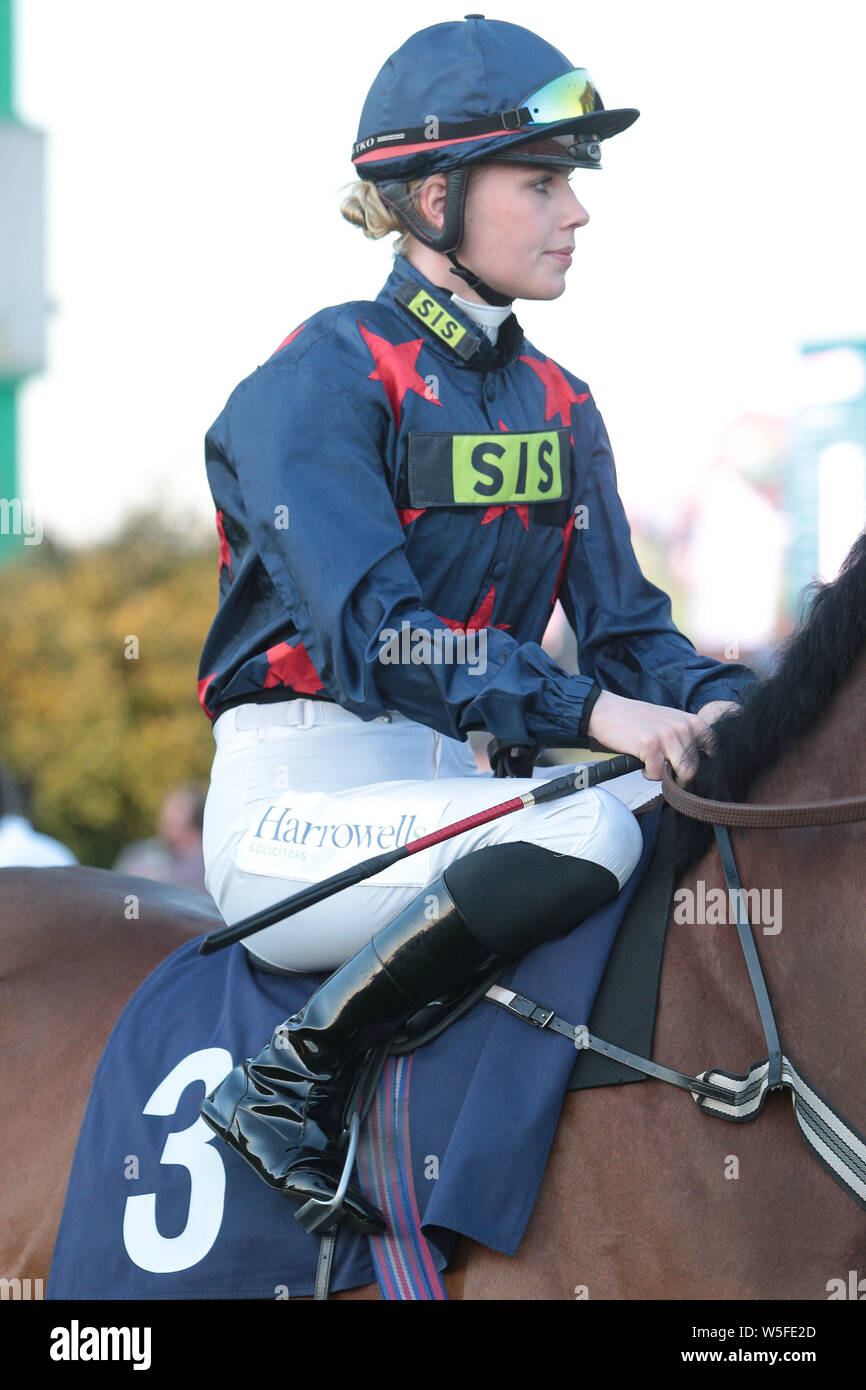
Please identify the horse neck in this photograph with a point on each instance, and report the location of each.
(829, 761)
(813, 883)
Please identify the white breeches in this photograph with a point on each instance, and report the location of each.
(292, 803)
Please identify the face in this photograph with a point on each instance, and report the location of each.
(520, 224)
(176, 817)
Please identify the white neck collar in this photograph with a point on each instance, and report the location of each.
(487, 316)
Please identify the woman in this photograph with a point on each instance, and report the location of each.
(402, 493)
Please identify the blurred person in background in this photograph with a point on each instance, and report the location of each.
(175, 854)
(20, 844)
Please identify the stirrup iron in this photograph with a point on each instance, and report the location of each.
(317, 1216)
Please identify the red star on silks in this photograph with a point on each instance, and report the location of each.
(408, 514)
(395, 368)
(201, 687)
(286, 341)
(558, 395)
(480, 618)
(520, 507)
(567, 530)
(225, 557)
(292, 666)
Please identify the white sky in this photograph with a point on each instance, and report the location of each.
(197, 149)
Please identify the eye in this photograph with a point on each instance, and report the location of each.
(543, 184)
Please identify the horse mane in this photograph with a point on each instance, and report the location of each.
(778, 711)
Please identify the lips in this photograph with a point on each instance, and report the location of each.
(564, 254)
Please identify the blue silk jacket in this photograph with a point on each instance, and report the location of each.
(368, 495)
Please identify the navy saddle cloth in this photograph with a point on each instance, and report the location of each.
(158, 1208)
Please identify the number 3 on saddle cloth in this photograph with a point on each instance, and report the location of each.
(454, 1145)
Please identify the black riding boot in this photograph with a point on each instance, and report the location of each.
(283, 1110)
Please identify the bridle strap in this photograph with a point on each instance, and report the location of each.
(746, 816)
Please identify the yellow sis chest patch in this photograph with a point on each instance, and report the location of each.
(474, 470)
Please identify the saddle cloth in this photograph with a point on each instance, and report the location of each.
(156, 1207)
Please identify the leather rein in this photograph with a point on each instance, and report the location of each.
(747, 816)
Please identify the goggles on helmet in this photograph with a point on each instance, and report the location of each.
(572, 94)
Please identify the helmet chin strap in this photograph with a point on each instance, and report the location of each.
(477, 284)
(447, 239)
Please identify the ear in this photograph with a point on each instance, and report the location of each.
(430, 200)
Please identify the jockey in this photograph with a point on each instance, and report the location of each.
(406, 477)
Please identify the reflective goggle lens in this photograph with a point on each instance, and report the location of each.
(572, 94)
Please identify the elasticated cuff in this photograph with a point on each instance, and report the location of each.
(588, 707)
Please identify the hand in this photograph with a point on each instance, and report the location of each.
(653, 733)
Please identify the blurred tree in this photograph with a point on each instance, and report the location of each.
(99, 653)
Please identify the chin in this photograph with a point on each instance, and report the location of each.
(559, 290)
(547, 288)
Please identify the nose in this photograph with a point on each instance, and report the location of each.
(577, 214)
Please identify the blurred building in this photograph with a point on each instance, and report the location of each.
(825, 483)
(22, 289)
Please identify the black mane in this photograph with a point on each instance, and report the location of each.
(812, 664)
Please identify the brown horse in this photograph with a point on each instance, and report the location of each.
(644, 1197)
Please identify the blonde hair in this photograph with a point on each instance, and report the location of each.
(363, 207)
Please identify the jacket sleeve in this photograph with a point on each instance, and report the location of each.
(312, 454)
(626, 637)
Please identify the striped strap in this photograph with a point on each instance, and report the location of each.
(836, 1145)
(401, 1257)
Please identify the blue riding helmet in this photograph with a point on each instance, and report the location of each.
(469, 90)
